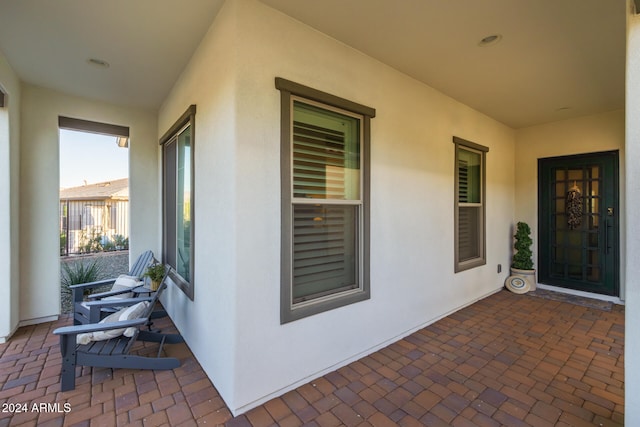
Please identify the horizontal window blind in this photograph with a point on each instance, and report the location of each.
(318, 162)
(469, 177)
(326, 154)
(463, 181)
(468, 233)
(324, 250)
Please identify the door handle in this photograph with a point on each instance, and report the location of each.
(606, 236)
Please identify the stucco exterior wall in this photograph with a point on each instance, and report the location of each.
(233, 324)
(39, 188)
(208, 323)
(587, 134)
(632, 252)
(9, 200)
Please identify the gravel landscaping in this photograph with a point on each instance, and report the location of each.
(112, 264)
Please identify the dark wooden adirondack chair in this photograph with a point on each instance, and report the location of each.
(114, 352)
(83, 313)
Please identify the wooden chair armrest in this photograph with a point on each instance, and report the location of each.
(121, 302)
(109, 293)
(95, 284)
(94, 327)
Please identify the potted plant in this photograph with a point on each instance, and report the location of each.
(523, 276)
(155, 272)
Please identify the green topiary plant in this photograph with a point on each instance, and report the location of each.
(522, 259)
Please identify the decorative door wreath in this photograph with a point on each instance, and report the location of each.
(574, 207)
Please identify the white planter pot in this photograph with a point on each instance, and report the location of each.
(521, 281)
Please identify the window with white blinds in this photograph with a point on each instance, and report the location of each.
(324, 201)
(470, 205)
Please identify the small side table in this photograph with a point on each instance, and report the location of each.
(142, 289)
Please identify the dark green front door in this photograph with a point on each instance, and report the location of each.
(578, 222)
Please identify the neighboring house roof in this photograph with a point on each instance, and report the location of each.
(117, 189)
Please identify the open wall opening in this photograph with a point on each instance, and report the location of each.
(94, 202)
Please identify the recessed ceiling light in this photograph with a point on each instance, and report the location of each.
(98, 62)
(490, 40)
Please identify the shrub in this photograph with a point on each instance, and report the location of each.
(79, 272)
(120, 241)
(91, 241)
(522, 259)
(63, 243)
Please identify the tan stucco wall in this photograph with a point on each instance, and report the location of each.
(9, 200)
(39, 177)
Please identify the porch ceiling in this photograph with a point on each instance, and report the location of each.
(147, 43)
(556, 59)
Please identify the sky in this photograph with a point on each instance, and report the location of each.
(90, 157)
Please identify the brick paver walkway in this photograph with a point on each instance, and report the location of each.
(507, 360)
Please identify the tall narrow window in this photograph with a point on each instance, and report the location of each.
(325, 191)
(178, 220)
(470, 245)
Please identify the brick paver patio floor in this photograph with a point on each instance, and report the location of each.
(512, 360)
